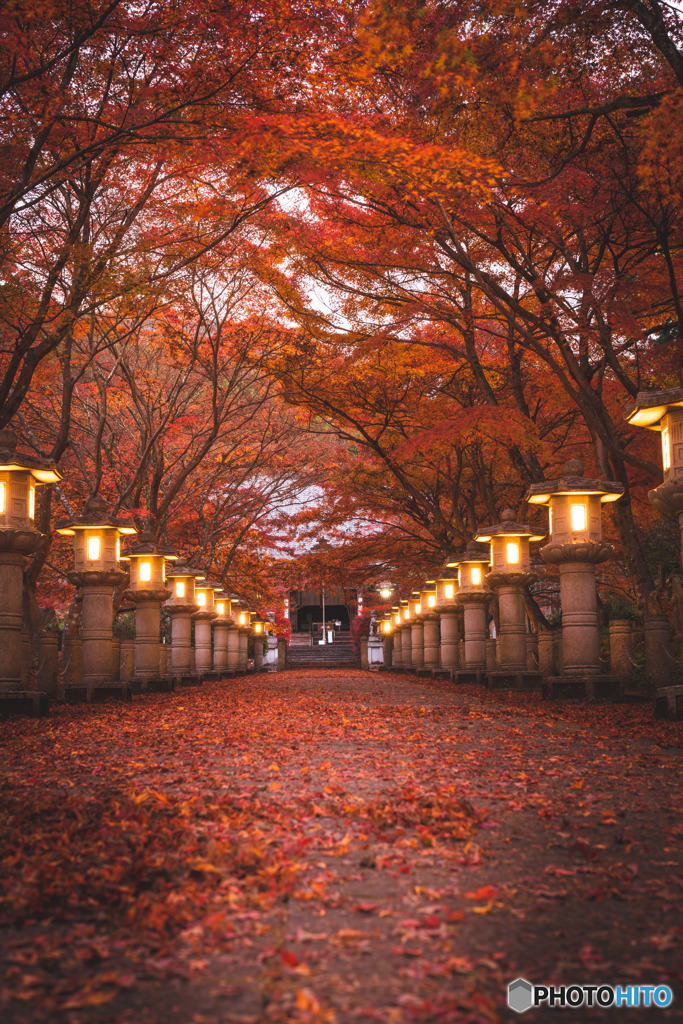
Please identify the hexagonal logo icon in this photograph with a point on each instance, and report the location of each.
(520, 995)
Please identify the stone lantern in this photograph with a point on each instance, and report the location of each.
(20, 473)
(446, 593)
(220, 633)
(386, 631)
(236, 610)
(576, 546)
(406, 629)
(416, 631)
(244, 621)
(509, 576)
(260, 631)
(204, 596)
(181, 607)
(147, 590)
(430, 626)
(97, 571)
(473, 596)
(396, 636)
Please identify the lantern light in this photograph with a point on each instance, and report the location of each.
(180, 588)
(32, 502)
(666, 449)
(2, 499)
(475, 576)
(93, 548)
(145, 572)
(512, 552)
(201, 598)
(579, 517)
(242, 619)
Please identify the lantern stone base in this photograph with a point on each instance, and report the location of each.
(469, 675)
(513, 679)
(579, 687)
(27, 703)
(158, 684)
(189, 679)
(669, 703)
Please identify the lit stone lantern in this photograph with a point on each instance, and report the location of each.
(244, 618)
(446, 593)
(576, 546)
(148, 590)
(396, 634)
(406, 628)
(509, 576)
(259, 630)
(386, 632)
(473, 596)
(181, 607)
(416, 631)
(221, 624)
(204, 596)
(236, 610)
(430, 624)
(97, 571)
(20, 474)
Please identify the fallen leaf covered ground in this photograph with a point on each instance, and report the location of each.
(335, 847)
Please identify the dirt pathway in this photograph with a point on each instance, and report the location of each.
(336, 848)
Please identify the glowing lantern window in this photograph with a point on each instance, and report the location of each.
(666, 449)
(180, 588)
(93, 549)
(258, 627)
(418, 609)
(163, 571)
(145, 572)
(579, 517)
(31, 502)
(475, 575)
(243, 619)
(450, 591)
(512, 553)
(201, 599)
(397, 619)
(386, 626)
(406, 613)
(550, 520)
(118, 549)
(220, 608)
(431, 600)
(2, 499)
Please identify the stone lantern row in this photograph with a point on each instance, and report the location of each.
(424, 632)
(156, 575)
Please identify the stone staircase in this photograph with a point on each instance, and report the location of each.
(338, 654)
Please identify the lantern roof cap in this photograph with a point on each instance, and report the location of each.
(147, 545)
(507, 527)
(181, 568)
(43, 471)
(650, 407)
(95, 514)
(572, 482)
(470, 554)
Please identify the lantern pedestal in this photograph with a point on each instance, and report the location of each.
(407, 647)
(147, 675)
(97, 683)
(15, 699)
(431, 643)
(397, 657)
(220, 646)
(449, 639)
(203, 658)
(181, 644)
(475, 606)
(417, 644)
(511, 671)
(243, 651)
(233, 650)
(581, 668)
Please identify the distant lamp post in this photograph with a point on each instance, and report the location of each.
(509, 576)
(97, 571)
(446, 593)
(203, 617)
(20, 474)
(148, 589)
(473, 595)
(576, 546)
(181, 607)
